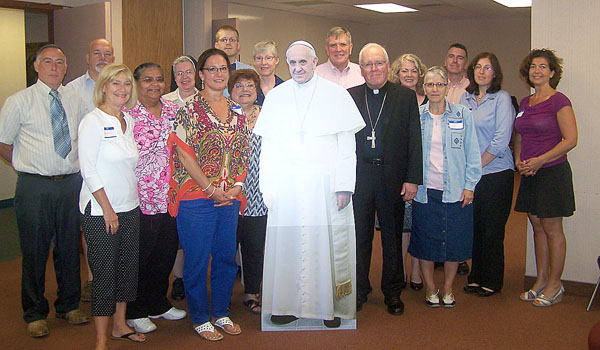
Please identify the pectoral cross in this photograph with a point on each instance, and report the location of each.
(372, 138)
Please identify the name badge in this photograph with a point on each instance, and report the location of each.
(455, 124)
(520, 114)
(110, 132)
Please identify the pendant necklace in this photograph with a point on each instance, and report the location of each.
(303, 118)
(372, 138)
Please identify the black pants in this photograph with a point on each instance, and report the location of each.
(370, 196)
(491, 208)
(158, 249)
(251, 237)
(48, 210)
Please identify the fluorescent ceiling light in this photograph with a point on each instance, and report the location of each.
(515, 3)
(387, 7)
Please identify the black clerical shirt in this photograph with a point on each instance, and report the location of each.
(374, 102)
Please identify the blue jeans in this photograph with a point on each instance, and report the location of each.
(205, 231)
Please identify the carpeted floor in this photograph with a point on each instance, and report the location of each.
(498, 322)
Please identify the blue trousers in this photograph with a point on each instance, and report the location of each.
(207, 231)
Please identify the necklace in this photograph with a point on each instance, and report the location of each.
(303, 117)
(479, 98)
(372, 138)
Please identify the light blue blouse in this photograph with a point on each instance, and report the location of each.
(494, 119)
(462, 161)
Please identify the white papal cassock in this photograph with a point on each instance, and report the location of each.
(308, 154)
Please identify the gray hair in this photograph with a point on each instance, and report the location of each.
(436, 70)
(183, 58)
(336, 32)
(265, 46)
(368, 46)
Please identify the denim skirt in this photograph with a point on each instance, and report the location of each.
(441, 231)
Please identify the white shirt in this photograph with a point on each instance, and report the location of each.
(84, 86)
(25, 123)
(347, 78)
(308, 140)
(176, 97)
(108, 159)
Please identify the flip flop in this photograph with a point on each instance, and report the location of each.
(127, 336)
(226, 321)
(207, 327)
(252, 306)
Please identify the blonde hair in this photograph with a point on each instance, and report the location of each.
(394, 74)
(108, 74)
(265, 46)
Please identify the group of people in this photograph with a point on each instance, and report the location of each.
(293, 172)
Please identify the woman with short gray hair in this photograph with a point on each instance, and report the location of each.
(442, 226)
(266, 59)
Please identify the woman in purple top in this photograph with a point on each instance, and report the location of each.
(546, 131)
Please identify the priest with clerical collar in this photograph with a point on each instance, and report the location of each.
(307, 176)
(389, 168)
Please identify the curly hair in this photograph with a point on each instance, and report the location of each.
(554, 63)
(394, 74)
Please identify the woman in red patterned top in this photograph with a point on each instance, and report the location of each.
(209, 164)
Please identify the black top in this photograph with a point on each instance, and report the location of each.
(374, 101)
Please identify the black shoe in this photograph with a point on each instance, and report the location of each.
(335, 323)
(283, 319)
(471, 289)
(360, 300)
(416, 286)
(463, 268)
(395, 306)
(403, 284)
(485, 293)
(178, 292)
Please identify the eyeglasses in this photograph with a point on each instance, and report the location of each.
(150, 80)
(240, 85)
(180, 73)
(230, 40)
(377, 64)
(214, 70)
(269, 59)
(438, 85)
(487, 68)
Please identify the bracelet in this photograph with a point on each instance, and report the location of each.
(241, 184)
(213, 192)
(204, 189)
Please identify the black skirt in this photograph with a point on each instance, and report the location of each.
(549, 193)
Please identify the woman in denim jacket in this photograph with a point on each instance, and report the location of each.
(442, 228)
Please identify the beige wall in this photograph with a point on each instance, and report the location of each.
(258, 24)
(509, 39)
(92, 22)
(12, 71)
(573, 33)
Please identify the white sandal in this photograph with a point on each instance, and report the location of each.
(207, 327)
(226, 321)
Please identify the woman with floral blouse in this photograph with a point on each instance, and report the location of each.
(153, 117)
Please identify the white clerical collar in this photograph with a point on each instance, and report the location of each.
(309, 84)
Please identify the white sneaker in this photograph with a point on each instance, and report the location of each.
(172, 315)
(142, 325)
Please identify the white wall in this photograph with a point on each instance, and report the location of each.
(509, 39)
(258, 24)
(573, 32)
(12, 71)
